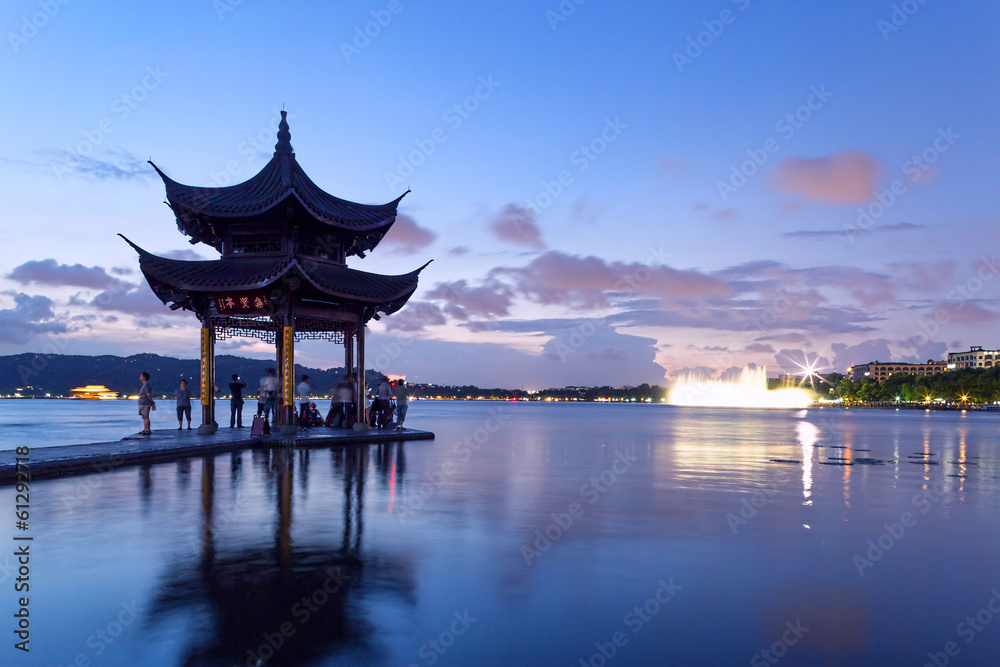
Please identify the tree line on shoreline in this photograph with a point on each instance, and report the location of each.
(963, 385)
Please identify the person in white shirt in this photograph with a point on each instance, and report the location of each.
(343, 407)
(384, 389)
(269, 386)
(402, 402)
(381, 404)
(302, 390)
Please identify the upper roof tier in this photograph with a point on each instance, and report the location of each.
(205, 213)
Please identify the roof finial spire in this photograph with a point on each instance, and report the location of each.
(284, 145)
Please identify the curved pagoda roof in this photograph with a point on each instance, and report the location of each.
(175, 281)
(203, 213)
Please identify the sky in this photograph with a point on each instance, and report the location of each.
(611, 194)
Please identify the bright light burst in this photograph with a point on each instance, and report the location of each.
(808, 369)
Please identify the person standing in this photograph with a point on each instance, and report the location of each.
(302, 390)
(183, 397)
(382, 406)
(269, 386)
(260, 401)
(146, 403)
(368, 408)
(402, 402)
(236, 401)
(344, 401)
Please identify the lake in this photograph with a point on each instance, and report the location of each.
(527, 534)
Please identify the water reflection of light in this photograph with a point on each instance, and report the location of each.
(962, 460)
(392, 486)
(808, 435)
(927, 457)
(848, 448)
(749, 390)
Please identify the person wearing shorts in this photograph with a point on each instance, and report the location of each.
(146, 403)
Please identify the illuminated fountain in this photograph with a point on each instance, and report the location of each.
(749, 390)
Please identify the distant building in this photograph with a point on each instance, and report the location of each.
(976, 357)
(94, 392)
(881, 370)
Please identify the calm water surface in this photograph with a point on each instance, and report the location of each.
(533, 534)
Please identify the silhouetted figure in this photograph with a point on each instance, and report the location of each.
(146, 403)
(183, 397)
(236, 401)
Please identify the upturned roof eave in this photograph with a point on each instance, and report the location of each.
(147, 264)
(180, 196)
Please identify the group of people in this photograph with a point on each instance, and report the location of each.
(390, 400)
(182, 396)
(384, 407)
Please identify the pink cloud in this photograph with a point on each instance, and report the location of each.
(726, 214)
(672, 165)
(969, 313)
(415, 317)
(490, 298)
(407, 236)
(587, 282)
(926, 176)
(924, 276)
(515, 224)
(846, 356)
(50, 272)
(842, 178)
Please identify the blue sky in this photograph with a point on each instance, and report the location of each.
(640, 266)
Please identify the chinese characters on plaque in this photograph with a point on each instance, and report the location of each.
(244, 303)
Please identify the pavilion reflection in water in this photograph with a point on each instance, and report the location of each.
(306, 596)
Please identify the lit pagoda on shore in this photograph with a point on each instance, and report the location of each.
(93, 392)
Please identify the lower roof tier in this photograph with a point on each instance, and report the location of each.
(176, 281)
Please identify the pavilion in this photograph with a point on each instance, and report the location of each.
(282, 275)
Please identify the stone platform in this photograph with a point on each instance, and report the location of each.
(165, 445)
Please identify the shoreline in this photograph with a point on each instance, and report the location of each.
(910, 406)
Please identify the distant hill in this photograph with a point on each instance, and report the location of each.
(57, 374)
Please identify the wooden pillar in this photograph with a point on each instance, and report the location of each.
(361, 370)
(288, 379)
(348, 351)
(279, 359)
(208, 424)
